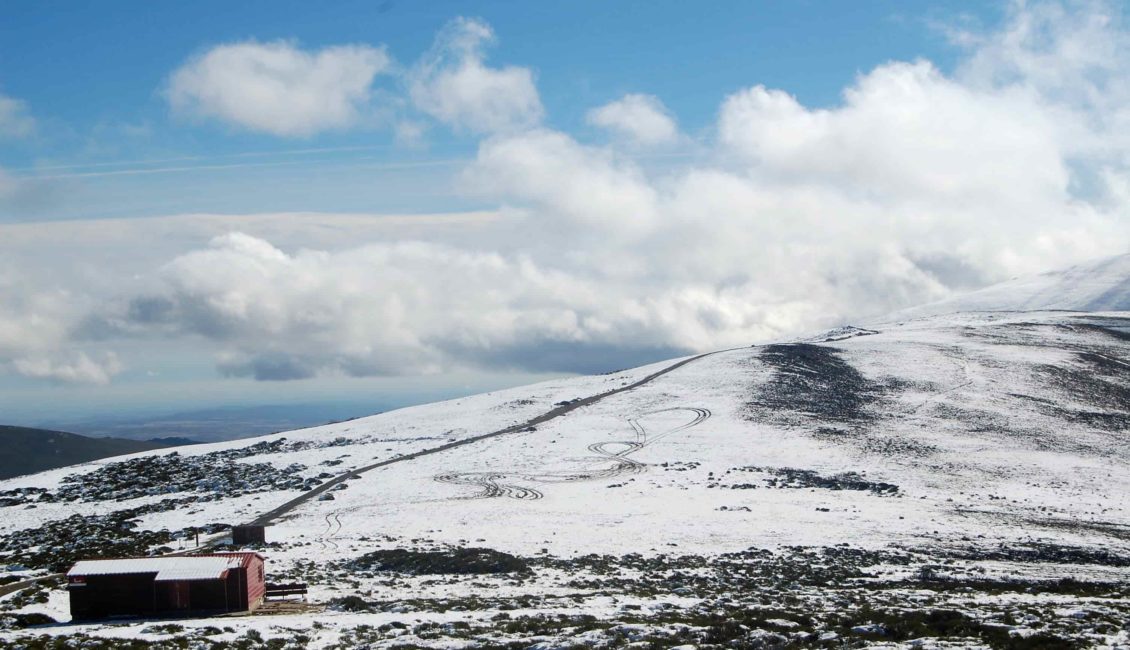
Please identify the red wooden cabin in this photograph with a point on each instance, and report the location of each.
(166, 586)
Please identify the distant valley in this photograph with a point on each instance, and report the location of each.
(220, 423)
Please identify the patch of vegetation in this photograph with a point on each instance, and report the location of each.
(788, 477)
(349, 604)
(20, 496)
(460, 561)
(946, 624)
(1097, 381)
(58, 544)
(813, 382)
(1040, 552)
(197, 640)
(19, 621)
(215, 473)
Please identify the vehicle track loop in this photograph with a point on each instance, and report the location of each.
(489, 486)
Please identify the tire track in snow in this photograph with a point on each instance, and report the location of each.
(324, 539)
(489, 485)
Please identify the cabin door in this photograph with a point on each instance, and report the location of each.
(175, 596)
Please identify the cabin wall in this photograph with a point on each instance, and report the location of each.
(119, 595)
(209, 595)
(139, 595)
(256, 582)
(172, 596)
(236, 590)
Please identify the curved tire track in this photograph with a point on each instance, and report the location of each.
(325, 540)
(489, 486)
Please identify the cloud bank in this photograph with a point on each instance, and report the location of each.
(784, 218)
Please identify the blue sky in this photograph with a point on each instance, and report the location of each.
(94, 78)
(234, 203)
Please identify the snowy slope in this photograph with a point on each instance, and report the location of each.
(947, 436)
(969, 416)
(1100, 285)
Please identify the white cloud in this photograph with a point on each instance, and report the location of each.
(77, 368)
(554, 174)
(904, 130)
(36, 324)
(8, 185)
(641, 118)
(453, 84)
(277, 87)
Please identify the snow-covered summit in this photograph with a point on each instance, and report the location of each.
(1099, 285)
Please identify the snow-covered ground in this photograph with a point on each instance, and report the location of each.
(974, 447)
(1098, 285)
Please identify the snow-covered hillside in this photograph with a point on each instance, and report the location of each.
(815, 491)
(1100, 285)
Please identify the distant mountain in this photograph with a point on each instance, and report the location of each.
(1100, 285)
(220, 423)
(27, 451)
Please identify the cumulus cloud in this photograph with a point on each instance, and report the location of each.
(554, 174)
(453, 84)
(641, 118)
(15, 119)
(277, 87)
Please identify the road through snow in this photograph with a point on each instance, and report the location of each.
(273, 515)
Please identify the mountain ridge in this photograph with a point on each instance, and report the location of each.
(1096, 285)
(29, 450)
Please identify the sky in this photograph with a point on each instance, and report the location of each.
(234, 203)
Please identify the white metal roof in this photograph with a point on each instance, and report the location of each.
(166, 568)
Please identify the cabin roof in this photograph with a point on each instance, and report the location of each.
(210, 567)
